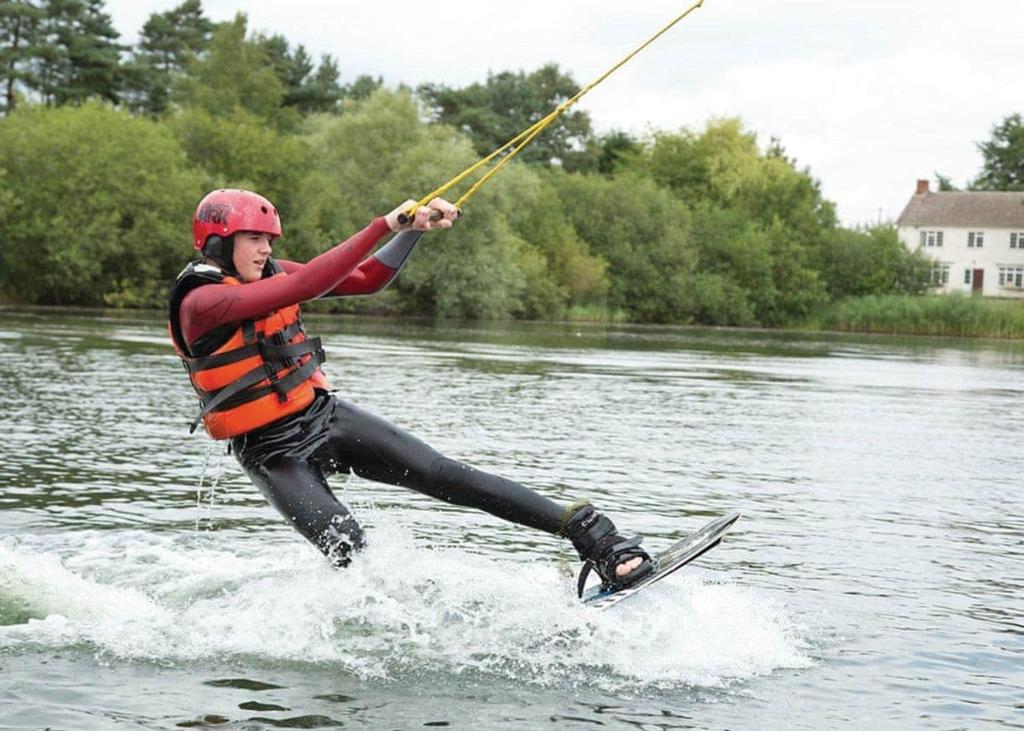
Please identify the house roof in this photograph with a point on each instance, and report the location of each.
(975, 208)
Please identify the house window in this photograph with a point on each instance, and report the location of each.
(975, 239)
(1011, 277)
(931, 238)
(939, 275)
(967, 276)
(1017, 240)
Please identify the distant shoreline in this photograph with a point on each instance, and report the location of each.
(950, 315)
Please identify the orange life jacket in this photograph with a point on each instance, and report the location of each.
(265, 370)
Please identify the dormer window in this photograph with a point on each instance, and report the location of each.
(975, 239)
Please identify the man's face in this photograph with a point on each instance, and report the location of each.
(251, 252)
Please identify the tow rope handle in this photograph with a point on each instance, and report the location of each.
(515, 145)
(406, 216)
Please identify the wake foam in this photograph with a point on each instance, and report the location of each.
(401, 610)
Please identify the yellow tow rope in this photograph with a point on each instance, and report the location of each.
(521, 140)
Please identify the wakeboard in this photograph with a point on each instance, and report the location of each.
(667, 562)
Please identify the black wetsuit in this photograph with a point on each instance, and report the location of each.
(290, 460)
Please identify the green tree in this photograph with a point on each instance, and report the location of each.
(1003, 157)
(772, 207)
(734, 282)
(242, 150)
(497, 110)
(945, 183)
(307, 88)
(95, 56)
(98, 208)
(572, 275)
(749, 273)
(323, 92)
(173, 39)
(168, 43)
(642, 232)
(724, 166)
(77, 56)
(871, 261)
(799, 289)
(19, 26)
(379, 152)
(234, 74)
(362, 87)
(614, 150)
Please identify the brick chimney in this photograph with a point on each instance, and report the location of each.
(922, 187)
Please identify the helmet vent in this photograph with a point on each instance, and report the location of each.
(263, 209)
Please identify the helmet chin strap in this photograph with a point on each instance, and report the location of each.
(222, 251)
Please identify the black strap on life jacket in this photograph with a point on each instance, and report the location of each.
(251, 348)
(277, 355)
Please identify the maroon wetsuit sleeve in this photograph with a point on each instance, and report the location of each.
(376, 272)
(368, 277)
(213, 305)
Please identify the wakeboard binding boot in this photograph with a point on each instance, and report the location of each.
(602, 549)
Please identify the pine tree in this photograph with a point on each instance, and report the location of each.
(234, 72)
(363, 86)
(77, 56)
(95, 56)
(19, 24)
(50, 60)
(322, 90)
(305, 89)
(168, 43)
(496, 111)
(1003, 154)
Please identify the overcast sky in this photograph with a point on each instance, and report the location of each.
(870, 94)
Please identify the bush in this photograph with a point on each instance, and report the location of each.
(641, 230)
(96, 209)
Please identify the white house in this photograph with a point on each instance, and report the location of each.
(976, 239)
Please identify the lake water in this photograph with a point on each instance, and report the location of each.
(876, 579)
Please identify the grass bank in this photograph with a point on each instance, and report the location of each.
(951, 314)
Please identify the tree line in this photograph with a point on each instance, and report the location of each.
(58, 52)
(105, 150)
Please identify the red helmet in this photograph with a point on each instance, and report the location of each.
(227, 211)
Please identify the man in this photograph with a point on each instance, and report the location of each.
(234, 320)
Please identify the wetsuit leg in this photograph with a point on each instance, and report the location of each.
(298, 489)
(378, 450)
